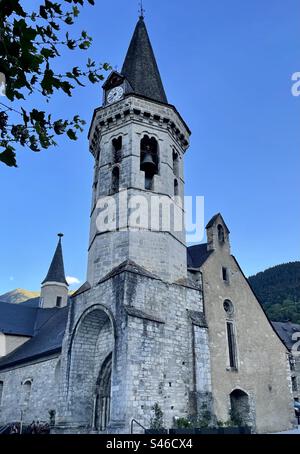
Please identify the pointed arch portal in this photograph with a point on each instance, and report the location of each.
(90, 369)
(240, 407)
(103, 396)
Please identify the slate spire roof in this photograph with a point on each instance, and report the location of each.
(140, 67)
(56, 271)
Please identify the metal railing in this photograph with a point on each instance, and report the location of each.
(134, 421)
(4, 428)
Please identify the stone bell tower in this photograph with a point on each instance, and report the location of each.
(138, 141)
(136, 332)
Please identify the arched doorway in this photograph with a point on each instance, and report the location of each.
(103, 396)
(91, 351)
(240, 408)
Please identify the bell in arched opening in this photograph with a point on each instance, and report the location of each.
(149, 160)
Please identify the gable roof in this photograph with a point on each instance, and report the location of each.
(46, 341)
(213, 220)
(21, 320)
(140, 67)
(32, 302)
(17, 319)
(258, 300)
(197, 255)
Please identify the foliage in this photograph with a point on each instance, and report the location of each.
(203, 421)
(278, 288)
(30, 43)
(235, 419)
(157, 421)
(182, 423)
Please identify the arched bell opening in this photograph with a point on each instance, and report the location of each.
(149, 160)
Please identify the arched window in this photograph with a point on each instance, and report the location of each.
(27, 384)
(176, 189)
(115, 184)
(221, 233)
(117, 147)
(1, 391)
(149, 160)
(175, 164)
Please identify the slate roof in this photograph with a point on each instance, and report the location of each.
(49, 330)
(56, 271)
(140, 67)
(17, 319)
(197, 255)
(32, 302)
(285, 331)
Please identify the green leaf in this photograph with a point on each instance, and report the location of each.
(8, 157)
(19, 95)
(43, 12)
(47, 53)
(25, 116)
(75, 11)
(71, 134)
(69, 20)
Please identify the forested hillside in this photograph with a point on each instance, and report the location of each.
(278, 288)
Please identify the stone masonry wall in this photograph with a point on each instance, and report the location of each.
(43, 395)
(262, 369)
(152, 348)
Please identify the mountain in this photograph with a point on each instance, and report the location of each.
(18, 296)
(278, 289)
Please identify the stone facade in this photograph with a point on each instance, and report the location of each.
(9, 342)
(150, 334)
(262, 370)
(144, 329)
(51, 293)
(30, 391)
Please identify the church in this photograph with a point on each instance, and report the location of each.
(156, 322)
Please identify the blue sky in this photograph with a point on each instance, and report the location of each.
(227, 66)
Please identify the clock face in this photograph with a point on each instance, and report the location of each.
(115, 94)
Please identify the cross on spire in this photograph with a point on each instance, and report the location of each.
(142, 10)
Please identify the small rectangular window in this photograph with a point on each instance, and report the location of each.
(294, 384)
(225, 274)
(231, 346)
(58, 301)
